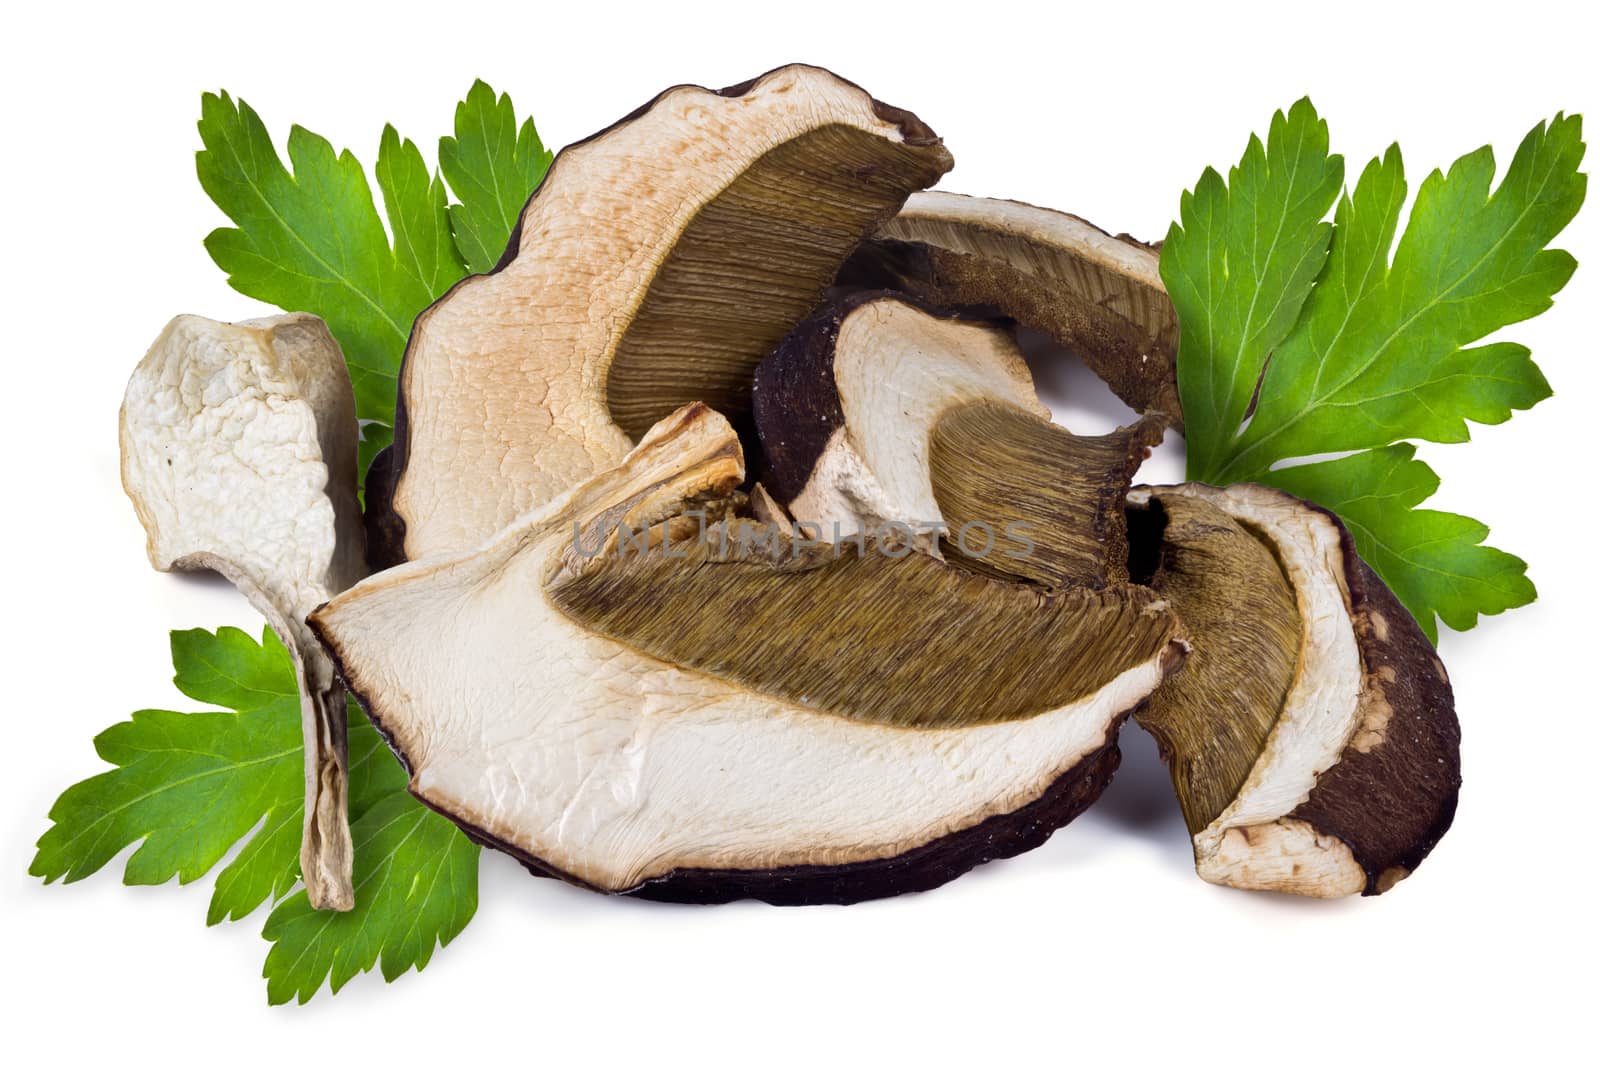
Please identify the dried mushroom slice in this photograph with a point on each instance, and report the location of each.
(1212, 723)
(640, 692)
(658, 262)
(882, 412)
(239, 454)
(1097, 295)
(1312, 735)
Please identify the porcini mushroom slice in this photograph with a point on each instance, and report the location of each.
(655, 265)
(880, 411)
(617, 698)
(1097, 295)
(1340, 706)
(1213, 723)
(239, 454)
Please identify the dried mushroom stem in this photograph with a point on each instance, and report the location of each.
(239, 455)
(658, 262)
(622, 694)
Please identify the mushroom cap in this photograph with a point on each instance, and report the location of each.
(840, 403)
(1097, 295)
(1357, 778)
(658, 261)
(546, 693)
(882, 410)
(239, 455)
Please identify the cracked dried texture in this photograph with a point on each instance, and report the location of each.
(239, 454)
(880, 410)
(656, 264)
(1342, 799)
(1212, 719)
(1097, 295)
(591, 759)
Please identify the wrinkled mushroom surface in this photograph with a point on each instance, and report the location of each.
(881, 410)
(1349, 726)
(641, 692)
(239, 454)
(655, 265)
(1097, 295)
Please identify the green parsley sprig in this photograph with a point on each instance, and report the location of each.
(1301, 337)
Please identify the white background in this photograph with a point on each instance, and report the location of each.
(1103, 944)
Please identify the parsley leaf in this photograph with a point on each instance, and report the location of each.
(242, 771)
(1368, 351)
(1433, 561)
(416, 880)
(188, 787)
(1239, 263)
(1379, 355)
(312, 240)
(414, 201)
(493, 166)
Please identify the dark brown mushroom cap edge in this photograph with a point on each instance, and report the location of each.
(927, 867)
(1393, 793)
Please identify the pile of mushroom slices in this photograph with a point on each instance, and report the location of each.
(725, 550)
